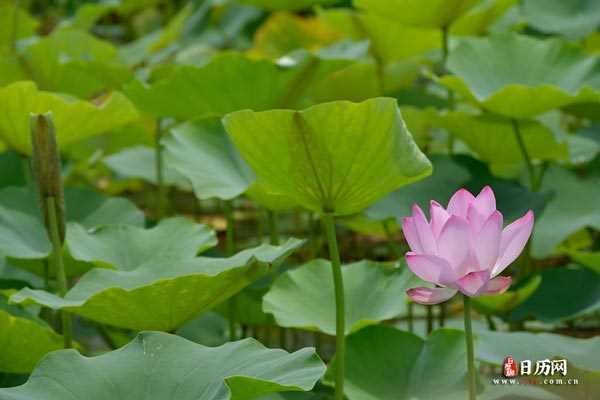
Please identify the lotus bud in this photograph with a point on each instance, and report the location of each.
(46, 167)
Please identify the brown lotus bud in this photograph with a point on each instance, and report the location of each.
(46, 167)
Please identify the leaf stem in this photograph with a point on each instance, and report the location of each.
(470, 351)
(410, 316)
(395, 251)
(273, 233)
(229, 250)
(444, 69)
(159, 170)
(59, 267)
(15, 27)
(525, 154)
(340, 326)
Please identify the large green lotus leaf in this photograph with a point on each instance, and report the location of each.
(210, 329)
(127, 247)
(231, 82)
(385, 363)
(75, 120)
(22, 232)
(24, 339)
(564, 293)
(138, 162)
(575, 19)
(520, 76)
(75, 62)
(291, 5)
(492, 138)
(165, 290)
(448, 176)
(335, 157)
(202, 152)
(507, 301)
(26, 25)
(429, 14)
(574, 206)
(304, 297)
(162, 366)
(12, 277)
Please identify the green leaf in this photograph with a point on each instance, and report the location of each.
(291, 5)
(209, 329)
(304, 297)
(385, 363)
(138, 162)
(335, 157)
(156, 289)
(127, 247)
(573, 207)
(575, 19)
(11, 165)
(519, 76)
(202, 152)
(26, 241)
(554, 301)
(587, 259)
(429, 14)
(448, 176)
(26, 25)
(22, 233)
(75, 120)
(231, 82)
(492, 138)
(24, 338)
(507, 301)
(479, 18)
(159, 366)
(75, 62)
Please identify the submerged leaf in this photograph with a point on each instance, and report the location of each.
(157, 366)
(335, 157)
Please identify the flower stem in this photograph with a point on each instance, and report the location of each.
(340, 325)
(159, 170)
(229, 250)
(59, 267)
(273, 233)
(530, 168)
(470, 351)
(445, 54)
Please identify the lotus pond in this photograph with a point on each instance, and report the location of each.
(299, 199)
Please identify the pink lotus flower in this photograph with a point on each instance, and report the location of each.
(464, 247)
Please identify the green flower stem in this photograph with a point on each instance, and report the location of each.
(229, 250)
(470, 352)
(161, 194)
(442, 315)
(429, 319)
(273, 233)
(340, 325)
(530, 168)
(59, 267)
